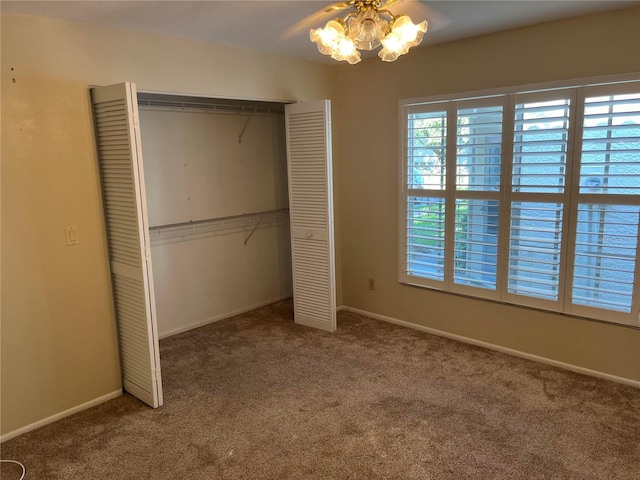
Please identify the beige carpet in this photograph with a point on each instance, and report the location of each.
(257, 396)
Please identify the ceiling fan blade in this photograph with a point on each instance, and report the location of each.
(389, 3)
(315, 20)
(336, 7)
(419, 11)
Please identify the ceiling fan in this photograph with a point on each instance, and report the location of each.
(366, 25)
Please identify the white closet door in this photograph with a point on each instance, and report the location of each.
(119, 152)
(308, 127)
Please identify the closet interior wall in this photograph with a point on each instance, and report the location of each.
(216, 185)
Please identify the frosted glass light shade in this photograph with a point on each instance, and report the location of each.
(332, 40)
(404, 35)
(367, 29)
(345, 50)
(326, 38)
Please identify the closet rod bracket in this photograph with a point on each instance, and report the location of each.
(244, 127)
(255, 227)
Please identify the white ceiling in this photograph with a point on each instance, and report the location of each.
(283, 26)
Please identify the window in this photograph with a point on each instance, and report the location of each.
(527, 198)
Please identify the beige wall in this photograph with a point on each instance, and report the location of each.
(58, 338)
(366, 139)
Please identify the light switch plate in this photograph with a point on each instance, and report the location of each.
(72, 235)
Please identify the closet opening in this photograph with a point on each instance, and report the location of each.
(215, 172)
(202, 229)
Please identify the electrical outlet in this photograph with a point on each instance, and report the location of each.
(372, 284)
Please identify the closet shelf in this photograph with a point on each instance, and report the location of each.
(178, 232)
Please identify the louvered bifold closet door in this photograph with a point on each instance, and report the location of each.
(308, 127)
(119, 153)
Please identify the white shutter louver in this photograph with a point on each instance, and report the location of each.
(476, 243)
(426, 150)
(534, 249)
(308, 130)
(425, 237)
(479, 148)
(540, 146)
(610, 161)
(119, 155)
(604, 261)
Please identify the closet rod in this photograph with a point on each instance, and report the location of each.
(218, 107)
(218, 219)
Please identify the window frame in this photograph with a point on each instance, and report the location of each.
(577, 92)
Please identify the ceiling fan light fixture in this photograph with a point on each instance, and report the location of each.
(366, 29)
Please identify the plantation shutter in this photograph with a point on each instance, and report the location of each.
(530, 198)
(538, 198)
(308, 127)
(478, 168)
(424, 184)
(120, 158)
(606, 250)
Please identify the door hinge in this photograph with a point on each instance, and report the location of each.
(155, 375)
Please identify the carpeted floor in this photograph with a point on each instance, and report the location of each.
(258, 397)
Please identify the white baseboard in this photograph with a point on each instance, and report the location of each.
(217, 318)
(497, 348)
(61, 415)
